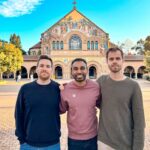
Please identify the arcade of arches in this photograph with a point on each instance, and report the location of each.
(132, 69)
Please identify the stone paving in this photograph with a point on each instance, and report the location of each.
(8, 140)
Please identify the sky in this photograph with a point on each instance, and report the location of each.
(121, 19)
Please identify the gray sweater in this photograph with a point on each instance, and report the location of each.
(122, 120)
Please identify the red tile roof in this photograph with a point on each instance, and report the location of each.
(38, 45)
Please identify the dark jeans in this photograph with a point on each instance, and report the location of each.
(26, 146)
(90, 144)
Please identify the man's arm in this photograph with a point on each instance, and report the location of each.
(98, 102)
(19, 118)
(138, 119)
(63, 105)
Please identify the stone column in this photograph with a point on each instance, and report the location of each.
(14, 75)
(136, 72)
(28, 75)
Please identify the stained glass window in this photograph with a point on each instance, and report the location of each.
(75, 43)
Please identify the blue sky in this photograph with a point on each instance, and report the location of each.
(122, 19)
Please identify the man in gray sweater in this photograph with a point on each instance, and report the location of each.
(122, 123)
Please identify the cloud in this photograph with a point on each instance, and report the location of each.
(15, 8)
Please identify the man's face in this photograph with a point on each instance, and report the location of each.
(44, 69)
(79, 71)
(115, 61)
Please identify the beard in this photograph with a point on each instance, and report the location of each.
(115, 68)
(44, 76)
(79, 77)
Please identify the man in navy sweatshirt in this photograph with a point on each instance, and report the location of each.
(37, 111)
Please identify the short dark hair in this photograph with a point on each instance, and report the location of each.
(44, 57)
(78, 59)
(114, 49)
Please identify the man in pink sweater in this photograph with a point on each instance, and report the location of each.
(80, 98)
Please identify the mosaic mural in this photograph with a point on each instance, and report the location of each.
(75, 22)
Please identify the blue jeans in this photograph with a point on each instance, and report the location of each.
(90, 144)
(26, 146)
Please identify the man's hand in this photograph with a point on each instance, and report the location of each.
(62, 86)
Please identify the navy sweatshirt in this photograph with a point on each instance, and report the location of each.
(37, 114)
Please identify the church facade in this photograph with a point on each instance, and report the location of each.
(76, 36)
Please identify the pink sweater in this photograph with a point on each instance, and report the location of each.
(81, 102)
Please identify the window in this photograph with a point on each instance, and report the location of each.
(88, 45)
(105, 45)
(75, 43)
(33, 53)
(57, 45)
(61, 45)
(92, 45)
(53, 44)
(96, 45)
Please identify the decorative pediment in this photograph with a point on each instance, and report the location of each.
(75, 21)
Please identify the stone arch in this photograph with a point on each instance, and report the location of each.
(69, 70)
(60, 66)
(97, 66)
(129, 71)
(7, 75)
(140, 72)
(80, 34)
(33, 72)
(58, 72)
(92, 72)
(23, 72)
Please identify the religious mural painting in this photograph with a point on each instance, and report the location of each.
(75, 21)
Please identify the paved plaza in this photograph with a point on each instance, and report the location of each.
(8, 93)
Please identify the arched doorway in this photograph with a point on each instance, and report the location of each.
(33, 72)
(129, 72)
(22, 72)
(58, 72)
(92, 72)
(141, 72)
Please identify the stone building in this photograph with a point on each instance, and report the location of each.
(77, 36)
(74, 36)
